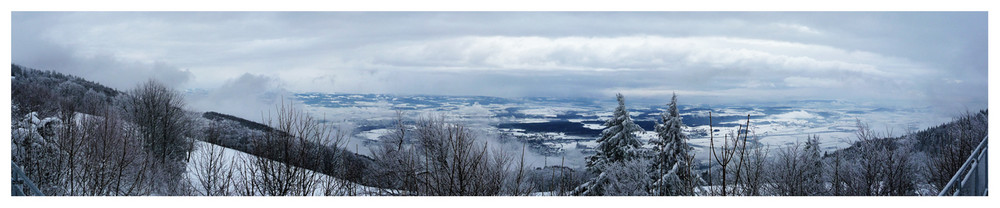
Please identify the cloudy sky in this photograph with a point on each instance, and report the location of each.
(901, 58)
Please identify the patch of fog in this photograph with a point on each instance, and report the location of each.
(247, 96)
(375, 134)
(533, 120)
(594, 126)
(543, 112)
(794, 118)
(796, 115)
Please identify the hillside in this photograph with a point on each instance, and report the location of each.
(239, 134)
(968, 128)
(54, 144)
(936, 152)
(46, 92)
(237, 162)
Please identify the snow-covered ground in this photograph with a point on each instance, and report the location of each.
(237, 160)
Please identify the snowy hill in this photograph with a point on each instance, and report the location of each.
(240, 162)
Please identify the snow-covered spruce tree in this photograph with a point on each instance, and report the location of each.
(618, 143)
(671, 173)
(812, 171)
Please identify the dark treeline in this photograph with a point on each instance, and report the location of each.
(241, 134)
(48, 92)
(219, 117)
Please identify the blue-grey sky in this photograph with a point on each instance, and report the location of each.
(891, 58)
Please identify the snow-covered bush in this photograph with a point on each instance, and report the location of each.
(631, 178)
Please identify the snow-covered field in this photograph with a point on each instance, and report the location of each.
(775, 125)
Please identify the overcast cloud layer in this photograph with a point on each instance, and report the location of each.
(900, 59)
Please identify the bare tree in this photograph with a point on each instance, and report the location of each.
(245, 182)
(455, 163)
(213, 172)
(444, 159)
(882, 166)
(397, 160)
(871, 154)
(520, 186)
(787, 176)
(157, 112)
(839, 173)
(111, 160)
(71, 141)
(958, 142)
(289, 154)
(899, 177)
(755, 174)
(797, 170)
(733, 147)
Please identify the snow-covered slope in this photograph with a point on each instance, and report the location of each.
(237, 160)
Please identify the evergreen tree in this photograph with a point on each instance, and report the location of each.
(812, 169)
(618, 143)
(671, 173)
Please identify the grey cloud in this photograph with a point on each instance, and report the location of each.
(32, 47)
(625, 53)
(916, 58)
(710, 63)
(248, 96)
